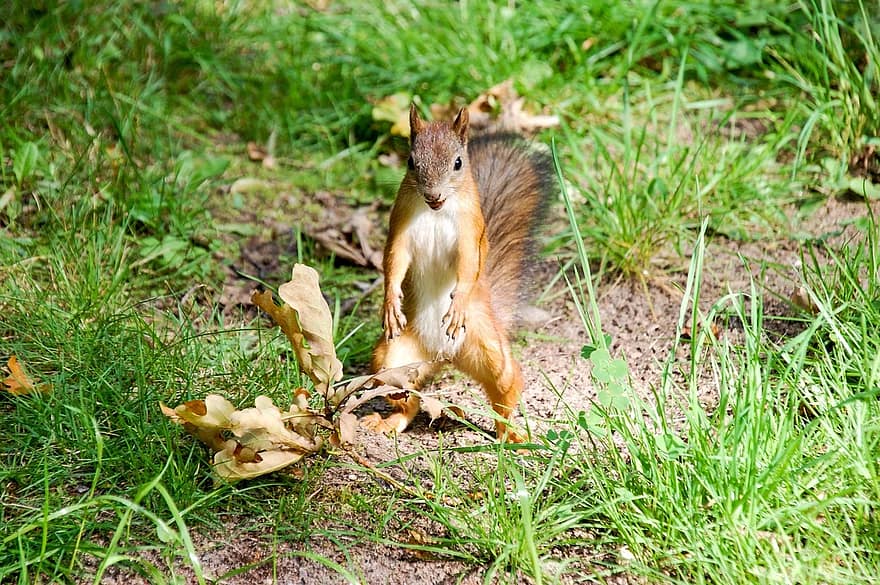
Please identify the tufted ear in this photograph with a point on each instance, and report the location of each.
(416, 124)
(460, 125)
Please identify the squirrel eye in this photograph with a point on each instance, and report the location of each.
(457, 165)
(410, 163)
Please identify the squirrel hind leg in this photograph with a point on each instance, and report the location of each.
(400, 351)
(486, 357)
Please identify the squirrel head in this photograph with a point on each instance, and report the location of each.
(438, 162)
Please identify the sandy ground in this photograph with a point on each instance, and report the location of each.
(642, 322)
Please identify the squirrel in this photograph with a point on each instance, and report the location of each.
(462, 232)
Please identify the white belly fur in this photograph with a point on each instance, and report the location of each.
(434, 248)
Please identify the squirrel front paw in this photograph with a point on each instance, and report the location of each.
(394, 319)
(456, 317)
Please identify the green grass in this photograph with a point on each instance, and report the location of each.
(750, 490)
(123, 126)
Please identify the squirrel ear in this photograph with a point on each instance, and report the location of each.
(416, 124)
(460, 124)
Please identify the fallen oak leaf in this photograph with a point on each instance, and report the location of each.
(494, 99)
(383, 383)
(213, 438)
(246, 454)
(262, 442)
(302, 418)
(262, 154)
(256, 152)
(345, 232)
(346, 429)
(404, 377)
(259, 154)
(205, 419)
(362, 226)
(316, 326)
(306, 321)
(334, 241)
(514, 117)
(213, 412)
(262, 429)
(501, 108)
(18, 383)
(171, 413)
(231, 462)
(421, 545)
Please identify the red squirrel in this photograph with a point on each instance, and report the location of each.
(461, 234)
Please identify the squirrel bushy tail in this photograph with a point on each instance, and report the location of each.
(515, 181)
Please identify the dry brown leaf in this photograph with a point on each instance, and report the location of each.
(171, 413)
(301, 398)
(204, 419)
(437, 409)
(388, 381)
(211, 413)
(315, 326)
(494, 99)
(262, 439)
(18, 382)
(348, 424)
(256, 152)
(403, 377)
(499, 108)
(362, 226)
(262, 444)
(346, 232)
(301, 418)
(212, 436)
(514, 117)
(232, 464)
(262, 154)
(306, 321)
(418, 538)
(262, 428)
(801, 299)
(335, 241)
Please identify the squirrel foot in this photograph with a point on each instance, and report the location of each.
(507, 435)
(393, 423)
